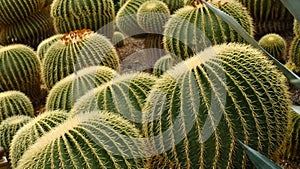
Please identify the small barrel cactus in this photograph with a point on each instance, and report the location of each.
(164, 64)
(33, 130)
(71, 15)
(296, 28)
(77, 50)
(14, 103)
(65, 93)
(89, 140)
(118, 39)
(275, 45)
(126, 19)
(269, 15)
(195, 27)
(197, 111)
(294, 53)
(13, 11)
(124, 95)
(9, 127)
(45, 44)
(30, 31)
(152, 16)
(20, 70)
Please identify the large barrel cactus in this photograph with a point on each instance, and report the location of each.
(275, 45)
(45, 44)
(65, 93)
(30, 31)
(198, 110)
(14, 103)
(194, 27)
(20, 70)
(269, 15)
(32, 131)
(12, 11)
(77, 50)
(294, 53)
(71, 15)
(90, 140)
(9, 127)
(124, 95)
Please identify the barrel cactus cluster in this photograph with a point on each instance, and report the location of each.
(66, 100)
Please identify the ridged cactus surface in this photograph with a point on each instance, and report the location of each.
(194, 27)
(9, 127)
(275, 45)
(197, 110)
(152, 16)
(45, 44)
(20, 70)
(90, 140)
(72, 15)
(75, 51)
(67, 91)
(124, 95)
(12, 11)
(118, 39)
(163, 64)
(32, 131)
(30, 31)
(294, 53)
(14, 103)
(296, 28)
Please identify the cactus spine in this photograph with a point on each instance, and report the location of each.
(9, 127)
(75, 51)
(118, 39)
(45, 44)
(90, 140)
(33, 130)
(12, 11)
(76, 15)
(124, 95)
(20, 70)
(241, 85)
(275, 45)
(294, 53)
(194, 27)
(65, 93)
(14, 103)
(30, 31)
(164, 64)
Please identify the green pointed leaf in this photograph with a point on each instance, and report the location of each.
(296, 109)
(293, 6)
(259, 160)
(293, 78)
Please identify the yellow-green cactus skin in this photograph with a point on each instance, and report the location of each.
(294, 53)
(197, 111)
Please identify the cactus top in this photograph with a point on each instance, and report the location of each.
(76, 36)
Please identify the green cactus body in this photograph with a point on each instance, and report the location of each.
(294, 53)
(152, 16)
(292, 145)
(9, 127)
(20, 70)
(89, 140)
(65, 93)
(194, 27)
(32, 131)
(164, 64)
(45, 44)
(126, 19)
(275, 45)
(74, 15)
(124, 95)
(296, 28)
(14, 103)
(12, 11)
(174, 5)
(269, 15)
(118, 39)
(30, 31)
(198, 110)
(75, 51)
